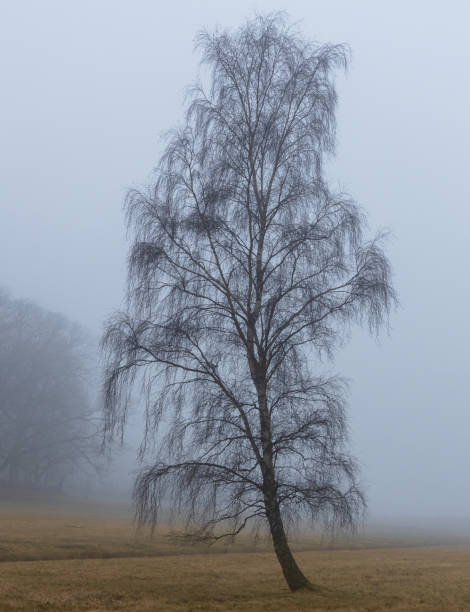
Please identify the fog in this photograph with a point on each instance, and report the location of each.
(89, 88)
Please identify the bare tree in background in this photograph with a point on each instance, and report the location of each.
(244, 266)
(49, 433)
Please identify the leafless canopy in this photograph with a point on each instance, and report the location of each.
(244, 266)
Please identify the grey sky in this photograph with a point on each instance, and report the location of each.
(89, 86)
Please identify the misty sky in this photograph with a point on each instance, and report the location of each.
(87, 89)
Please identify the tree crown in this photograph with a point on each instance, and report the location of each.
(243, 263)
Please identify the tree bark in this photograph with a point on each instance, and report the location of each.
(292, 573)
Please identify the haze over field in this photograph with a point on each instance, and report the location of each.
(88, 88)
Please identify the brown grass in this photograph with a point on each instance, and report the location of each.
(136, 574)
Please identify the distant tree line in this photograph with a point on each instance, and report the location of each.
(48, 429)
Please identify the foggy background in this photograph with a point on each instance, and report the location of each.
(87, 89)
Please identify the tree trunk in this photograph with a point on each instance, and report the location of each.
(292, 573)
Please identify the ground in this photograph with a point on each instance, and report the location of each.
(79, 556)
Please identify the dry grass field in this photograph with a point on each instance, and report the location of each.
(78, 556)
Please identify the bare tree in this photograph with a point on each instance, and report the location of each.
(244, 266)
(48, 430)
